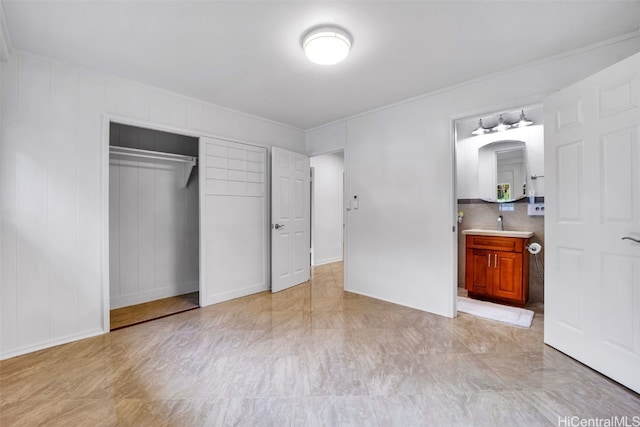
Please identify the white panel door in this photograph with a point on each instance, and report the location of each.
(291, 225)
(234, 223)
(592, 166)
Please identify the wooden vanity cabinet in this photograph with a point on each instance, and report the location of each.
(497, 269)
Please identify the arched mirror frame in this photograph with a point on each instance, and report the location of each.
(502, 171)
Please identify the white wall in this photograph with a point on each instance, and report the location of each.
(326, 139)
(4, 48)
(153, 220)
(400, 245)
(54, 222)
(327, 202)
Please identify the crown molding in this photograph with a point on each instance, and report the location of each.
(532, 64)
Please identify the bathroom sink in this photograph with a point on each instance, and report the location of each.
(498, 233)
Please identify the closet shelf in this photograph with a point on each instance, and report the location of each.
(189, 161)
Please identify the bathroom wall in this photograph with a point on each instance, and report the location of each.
(485, 215)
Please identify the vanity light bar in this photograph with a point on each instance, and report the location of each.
(502, 125)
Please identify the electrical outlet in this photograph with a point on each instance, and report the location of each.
(535, 209)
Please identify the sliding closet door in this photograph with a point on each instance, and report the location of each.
(233, 220)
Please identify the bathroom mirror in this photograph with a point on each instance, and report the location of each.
(502, 171)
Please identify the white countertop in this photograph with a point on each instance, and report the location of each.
(498, 233)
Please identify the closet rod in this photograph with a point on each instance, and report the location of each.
(189, 161)
(148, 154)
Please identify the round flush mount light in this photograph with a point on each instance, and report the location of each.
(326, 45)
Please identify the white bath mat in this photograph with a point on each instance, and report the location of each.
(501, 313)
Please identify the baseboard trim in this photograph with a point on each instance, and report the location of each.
(152, 295)
(49, 344)
(226, 296)
(397, 303)
(327, 261)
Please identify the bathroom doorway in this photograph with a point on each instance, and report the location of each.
(486, 208)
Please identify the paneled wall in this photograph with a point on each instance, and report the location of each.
(153, 220)
(54, 230)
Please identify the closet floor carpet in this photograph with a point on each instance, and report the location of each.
(306, 356)
(139, 313)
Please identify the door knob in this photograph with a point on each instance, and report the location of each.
(278, 226)
(631, 238)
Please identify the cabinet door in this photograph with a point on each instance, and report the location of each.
(478, 271)
(507, 275)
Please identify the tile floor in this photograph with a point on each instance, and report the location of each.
(311, 355)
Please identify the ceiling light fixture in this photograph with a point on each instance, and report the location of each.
(523, 121)
(480, 130)
(326, 45)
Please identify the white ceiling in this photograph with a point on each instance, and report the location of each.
(246, 55)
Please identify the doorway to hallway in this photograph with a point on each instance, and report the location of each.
(327, 208)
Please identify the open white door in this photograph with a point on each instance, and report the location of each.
(592, 167)
(291, 225)
(234, 222)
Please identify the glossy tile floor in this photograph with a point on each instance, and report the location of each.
(311, 355)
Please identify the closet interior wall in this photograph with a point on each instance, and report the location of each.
(153, 220)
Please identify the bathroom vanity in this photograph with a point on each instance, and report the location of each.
(497, 265)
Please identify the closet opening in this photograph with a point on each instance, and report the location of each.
(153, 224)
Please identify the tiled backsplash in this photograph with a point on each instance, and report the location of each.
(485, 215)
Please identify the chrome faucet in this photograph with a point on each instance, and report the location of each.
(500, 226)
